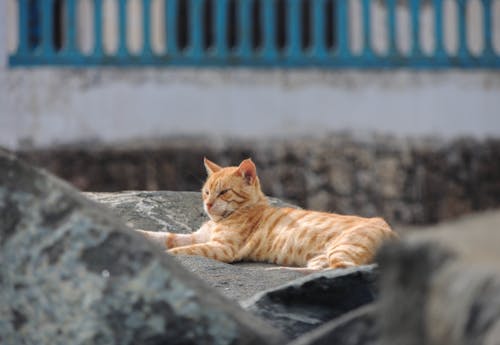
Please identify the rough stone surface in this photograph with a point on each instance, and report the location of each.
(407, 181)
(71, 273)
(357, 327)
(238, 281)
(182, 212)
(309, 302)
(442, 286)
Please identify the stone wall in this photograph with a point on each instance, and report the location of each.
(408, 181)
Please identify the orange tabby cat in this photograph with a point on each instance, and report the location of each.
(243, 226)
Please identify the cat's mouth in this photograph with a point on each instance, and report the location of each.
(219, 216)
(226, 213)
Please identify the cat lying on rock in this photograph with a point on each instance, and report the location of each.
(243, 226)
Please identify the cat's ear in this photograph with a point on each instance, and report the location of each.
(247, 170)
(210, 166)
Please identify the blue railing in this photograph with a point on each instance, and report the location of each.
(274, 33)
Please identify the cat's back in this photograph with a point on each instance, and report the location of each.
(292, 217)
(293, 236)
(306, 225)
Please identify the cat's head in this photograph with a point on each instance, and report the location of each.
(228, 189)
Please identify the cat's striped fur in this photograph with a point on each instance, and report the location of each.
(243, 226)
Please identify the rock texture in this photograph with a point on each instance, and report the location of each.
(72, 273)
(357, 327)
(305, 304)
(407, 181)
(442, 286)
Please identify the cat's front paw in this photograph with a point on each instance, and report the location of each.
(179, 251)
(154, 236)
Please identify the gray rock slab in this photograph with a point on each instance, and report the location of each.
(179, 212)
(238, 281)
(357, 327)
(182, 212)
(442, 286)
(307, 303)
(72, 273)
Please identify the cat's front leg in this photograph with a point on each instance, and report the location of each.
(168, 239)
(173, 240)
(212, 250)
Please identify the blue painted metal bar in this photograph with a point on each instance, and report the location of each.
(23, 46)
(98, 46)
(391, 27)
(487, 28)
(355, 62)
(244, 29)
(342, 27)
(122, 28)
(294, 28)
(171, 6)
(221, 16)
(415, 28)
(462, 29)
(439, 50)
(367, 41)
(47, 27)
(34, 25)
(269, 50)
(195, 50)
(318, 22)
(146, 28)
(70, 44)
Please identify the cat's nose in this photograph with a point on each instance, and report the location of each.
(209, 205)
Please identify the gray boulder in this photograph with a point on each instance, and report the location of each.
(442, 285)
(179, 212)
(295, 308)
(306, 303)
(71, 273)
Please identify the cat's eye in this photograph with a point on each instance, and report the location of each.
(222, 192)
(206, 192)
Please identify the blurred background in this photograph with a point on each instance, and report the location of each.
(370, 107)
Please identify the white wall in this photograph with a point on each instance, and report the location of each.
(44, 106)
(3, 35)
